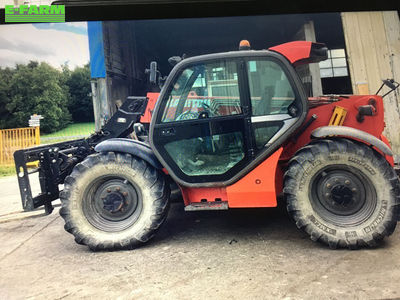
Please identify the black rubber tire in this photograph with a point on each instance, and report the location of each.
(362, 229)
(151, 187)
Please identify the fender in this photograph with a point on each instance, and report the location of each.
(345, 131)
(133, 147)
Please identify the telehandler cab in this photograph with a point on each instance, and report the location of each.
(232, 130)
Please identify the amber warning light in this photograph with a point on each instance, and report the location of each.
(244, 45)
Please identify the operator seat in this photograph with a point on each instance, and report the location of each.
(264, 106)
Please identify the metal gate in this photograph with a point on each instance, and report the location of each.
(15, 139)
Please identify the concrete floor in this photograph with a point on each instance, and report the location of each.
(10, 199)
(236, 254)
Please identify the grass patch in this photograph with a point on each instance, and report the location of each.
(73, 130)
(7, 171)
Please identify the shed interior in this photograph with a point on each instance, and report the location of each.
(130, 46)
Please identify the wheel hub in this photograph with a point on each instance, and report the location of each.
(341, 192)
(116, 200)
(342, 195)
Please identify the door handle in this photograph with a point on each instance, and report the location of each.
(168, 131)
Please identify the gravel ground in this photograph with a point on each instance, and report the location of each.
(235, 254)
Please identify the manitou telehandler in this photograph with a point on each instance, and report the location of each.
(231, 130)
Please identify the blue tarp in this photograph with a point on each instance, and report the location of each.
(96, 49)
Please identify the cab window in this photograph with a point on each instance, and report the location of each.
(270, 89)
(271, 94)
(206, 90)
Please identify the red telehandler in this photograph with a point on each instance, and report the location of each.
(231, 130)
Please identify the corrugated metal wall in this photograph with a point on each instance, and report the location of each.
(373, 49)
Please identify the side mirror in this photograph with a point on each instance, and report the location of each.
(153, 72)
(155, 75)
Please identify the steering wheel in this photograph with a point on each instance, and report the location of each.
(191, 115)
(206, 113)
(188, 115)
(205, 106)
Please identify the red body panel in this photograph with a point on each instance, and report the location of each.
(146, 118)
(372, 124)
(256, 189)
(195, 195)
(294, 51)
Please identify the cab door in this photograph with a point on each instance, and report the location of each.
(215, 120)
(200, 129)
(275, 101)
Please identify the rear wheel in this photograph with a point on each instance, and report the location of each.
(114, 201)
(342, 193)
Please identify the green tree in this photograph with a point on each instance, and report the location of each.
(38, 89)
(80, 102)
(5, 79)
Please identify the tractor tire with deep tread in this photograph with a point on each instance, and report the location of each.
(114, 201)
(342, 193)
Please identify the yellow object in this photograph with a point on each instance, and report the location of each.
(363, 88)
(37, 134)
(33, 164)
(338, 116)
(12, 140)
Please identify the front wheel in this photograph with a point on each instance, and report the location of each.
(114, 201)
(342, 193)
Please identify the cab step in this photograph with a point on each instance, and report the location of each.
(217, 205)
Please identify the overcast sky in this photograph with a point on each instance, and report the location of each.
(54, 43)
